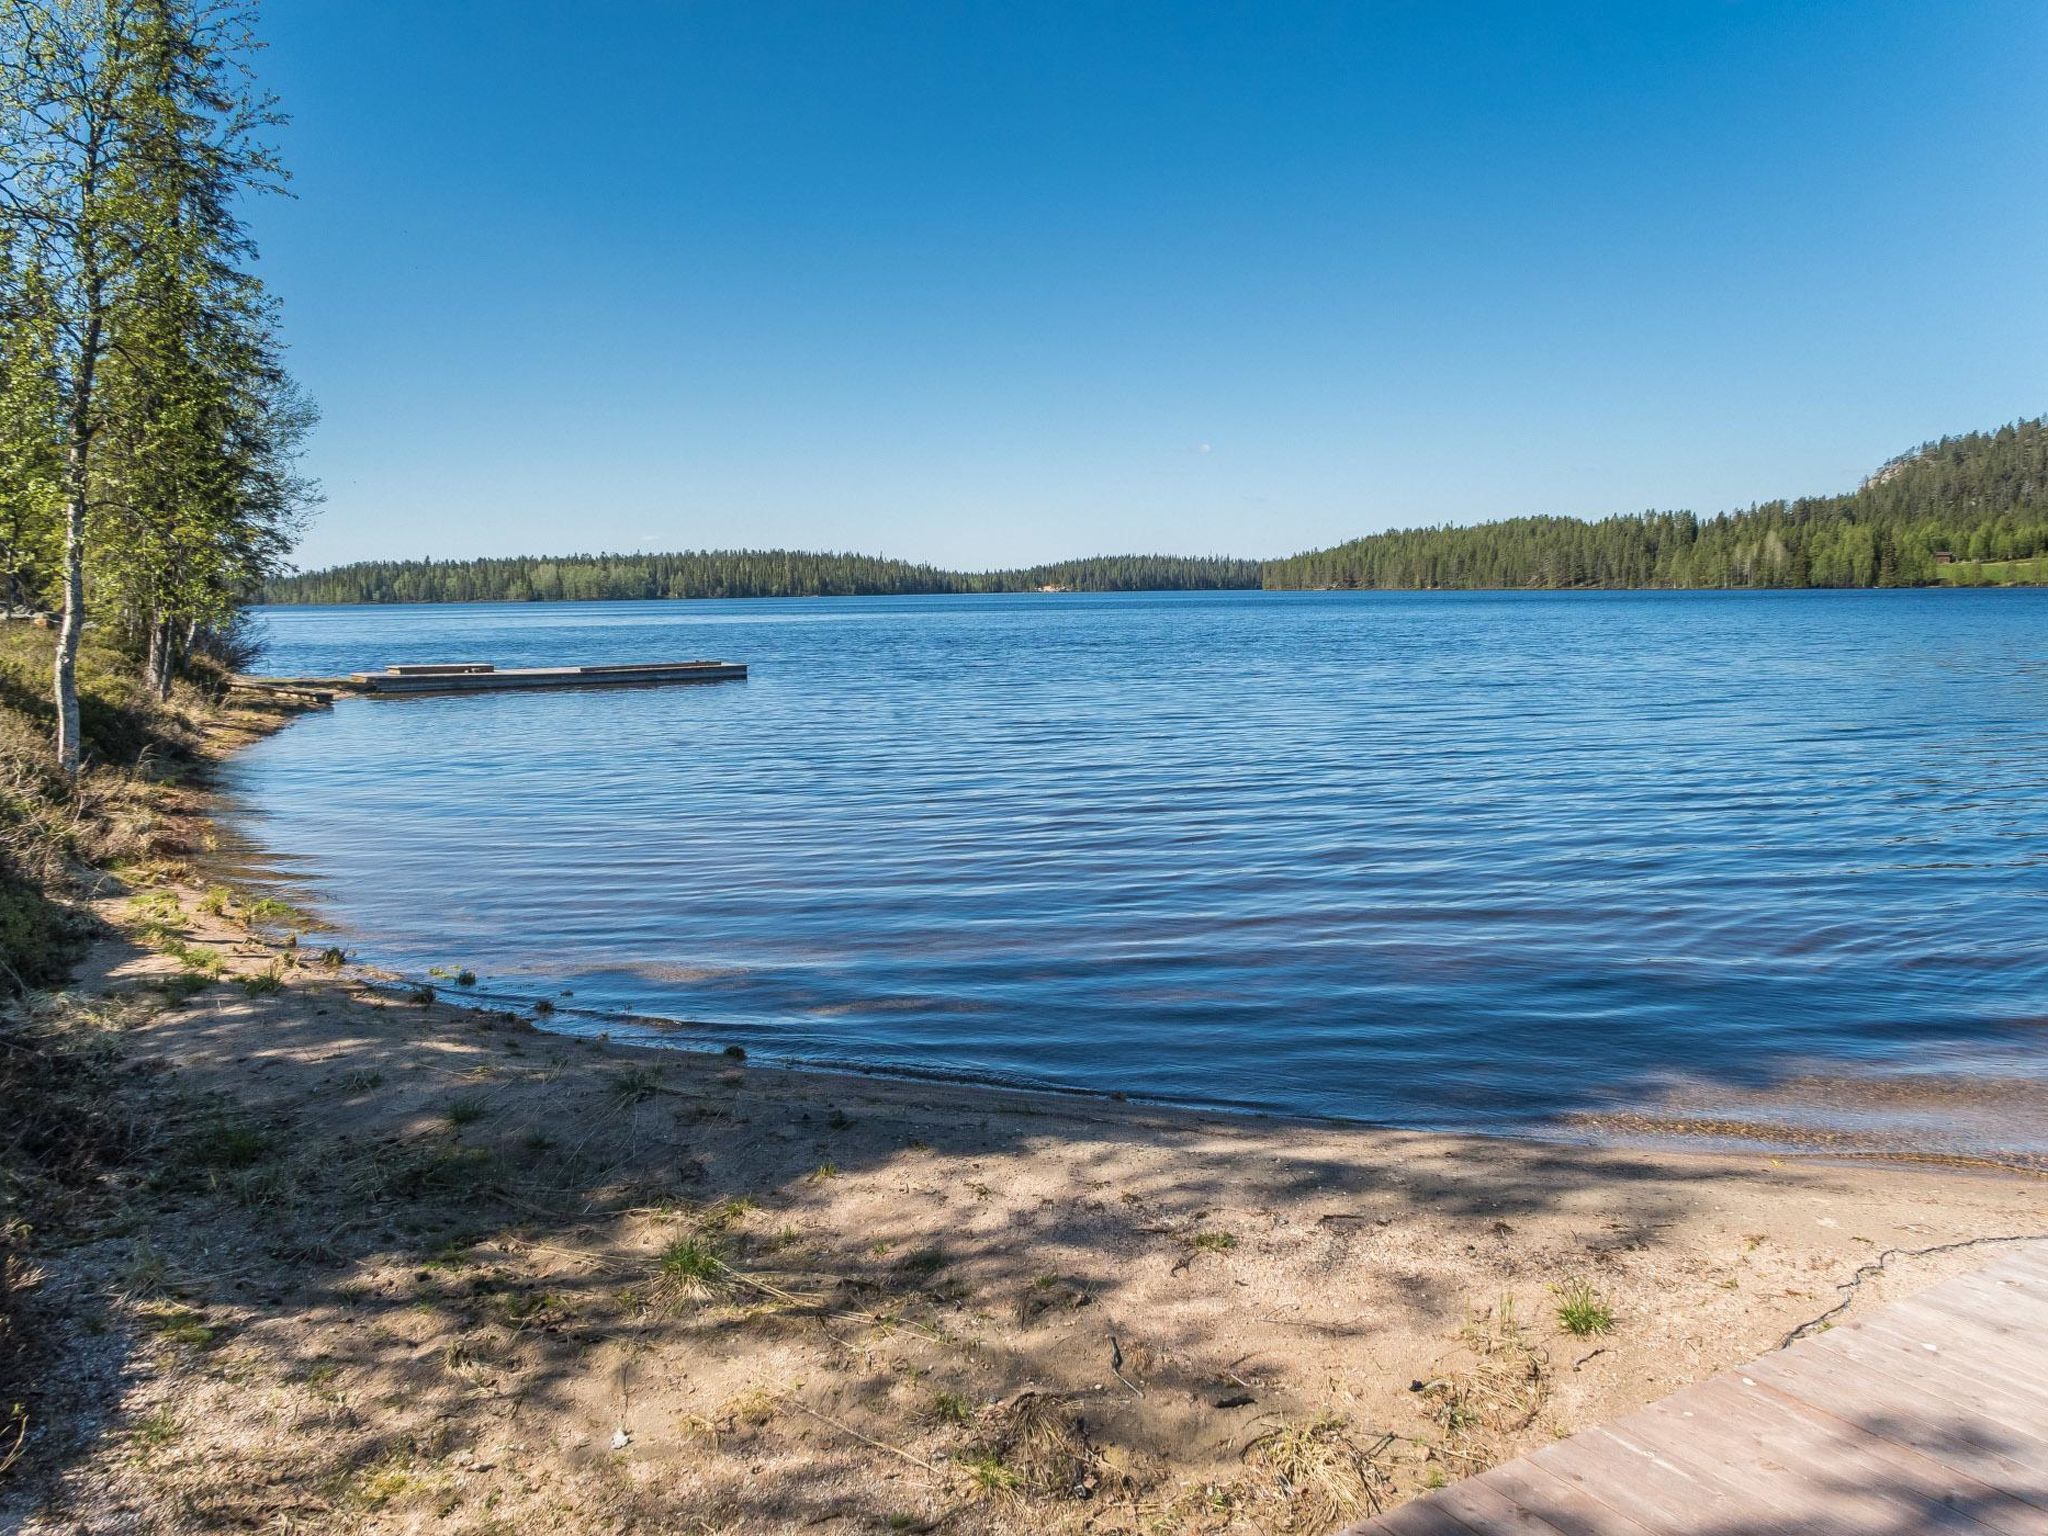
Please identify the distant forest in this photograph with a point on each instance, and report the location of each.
(733, 573)
(1964, 510)
(1980, 500)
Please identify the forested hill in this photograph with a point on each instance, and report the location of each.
(733, 573)
(1978, 498)
(1981, 500)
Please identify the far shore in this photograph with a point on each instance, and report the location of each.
(411, 1265)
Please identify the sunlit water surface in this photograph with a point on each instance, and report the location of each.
(1455, 860)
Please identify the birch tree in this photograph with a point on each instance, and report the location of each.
(129, 131)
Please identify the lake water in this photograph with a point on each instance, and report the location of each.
(1456, 860)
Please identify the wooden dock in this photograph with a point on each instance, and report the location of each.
(1930, 1414)
(483, 677)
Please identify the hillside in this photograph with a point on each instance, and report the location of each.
(1982, 497)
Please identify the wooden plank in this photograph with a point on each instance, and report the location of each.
(1911, 1344)
(1808, 1494)
(1919, 1486)
(1895, 1352)
(1992, 1318)
(1483, 1507)
(1881, 1461)
(1969, 1442)
(1662, 1492)
(1929, 1414)
(2025, 1265)
(1420, 1517)
(2030, 1258)
(1570, 1509)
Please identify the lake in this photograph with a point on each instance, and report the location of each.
(1461, 860)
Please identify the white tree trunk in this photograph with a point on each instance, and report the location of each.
(73, 626)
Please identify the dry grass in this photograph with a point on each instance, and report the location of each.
(1319, 1472)
(1038, 1443)
(1496, 1389)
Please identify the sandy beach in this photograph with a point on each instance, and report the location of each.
(397, 1264)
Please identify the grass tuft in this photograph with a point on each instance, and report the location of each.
(691, 1269)
(1580, 1309)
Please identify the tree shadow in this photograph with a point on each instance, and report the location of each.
(454, 1256)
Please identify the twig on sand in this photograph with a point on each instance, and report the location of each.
(1849, 1286)
(1116, 1366)
(848, 1429)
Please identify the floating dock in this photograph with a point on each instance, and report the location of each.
(483, 677)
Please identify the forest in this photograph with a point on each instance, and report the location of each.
(1960, 511)
(735, 573)
(1979, 500)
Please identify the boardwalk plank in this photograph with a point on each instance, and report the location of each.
(1484, 1507)
(1807, 1487)
(1421, 1518)
(1927, 1415)
(1571, 1510)
(1906, 1480)
(1880, 1347)
(1970, 1442)
(1657, 1491)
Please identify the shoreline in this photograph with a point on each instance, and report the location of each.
(1618, 1129)
(393, 1264)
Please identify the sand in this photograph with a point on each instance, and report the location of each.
(390, 1264)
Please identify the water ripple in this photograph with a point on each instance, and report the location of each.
(1429, 859)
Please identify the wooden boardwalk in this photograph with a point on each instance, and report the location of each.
(1930, 1414)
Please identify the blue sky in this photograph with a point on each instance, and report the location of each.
(992, 283)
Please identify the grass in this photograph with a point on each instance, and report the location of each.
(268, 909)
(195, 959)
(179, 1325)
(1322, 1471)
(220, 1143)
(990, 1475)
(922, 1263)
(265, 983)
(726, 1213)
(1974, 573)
(1213, 1242)
(691, 1269)
(636, 1084)
(1580, 1309)
(180, 989)
(1038, 1442)
(949, 1408)
(1499, 1388)
(158, 1430)
(466, 1110)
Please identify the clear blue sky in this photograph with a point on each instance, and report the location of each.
(984, 283)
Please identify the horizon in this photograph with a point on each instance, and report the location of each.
(985, 290)
(595, 553)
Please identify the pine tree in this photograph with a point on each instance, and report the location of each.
(128, 130)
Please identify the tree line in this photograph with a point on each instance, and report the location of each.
(1981, 497)
(148, 429)
(734, 573)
